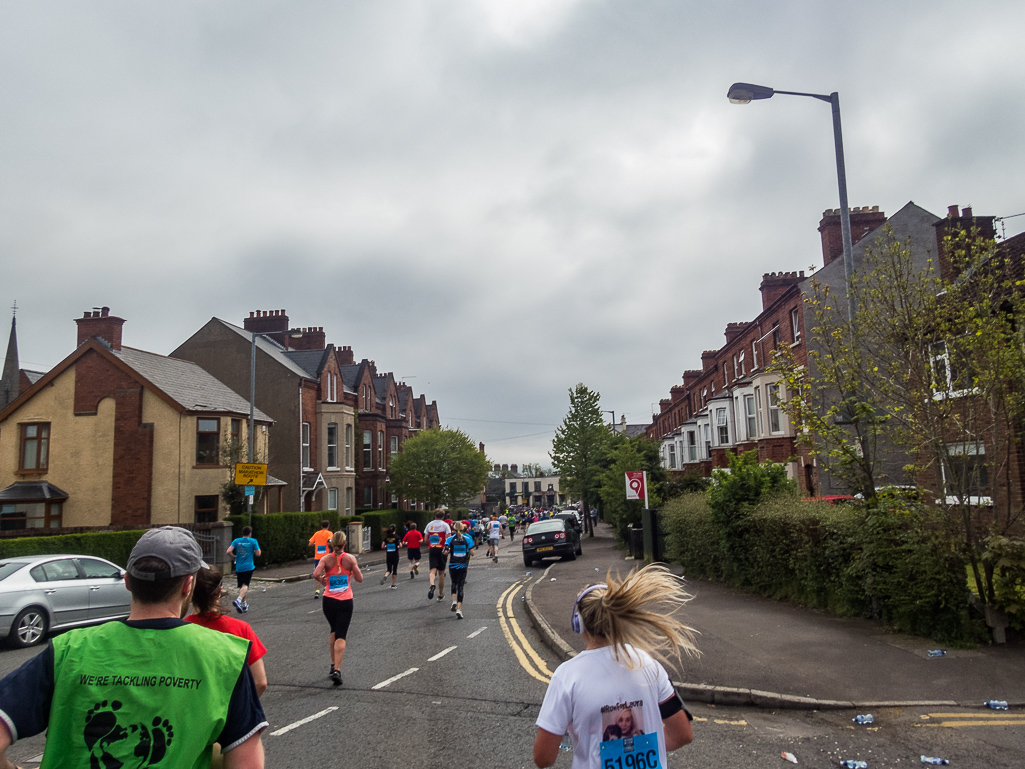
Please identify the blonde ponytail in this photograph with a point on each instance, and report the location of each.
(639, 611)
(338, 541)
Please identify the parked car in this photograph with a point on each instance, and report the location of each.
(42, 593)
(552, 537)
(573, 517)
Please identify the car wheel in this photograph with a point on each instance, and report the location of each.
(571, 556)
(580, 550)
(29, 628)
(527, 562)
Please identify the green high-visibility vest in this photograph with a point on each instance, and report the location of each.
(153, 698)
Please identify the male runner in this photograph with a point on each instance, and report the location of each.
(320, 542)
(494, 530)
(437, 531)
(502, 519)
(242, 550)
(412, 541)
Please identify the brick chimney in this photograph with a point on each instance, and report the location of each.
(266, 322)
(775, 284)
(708, 359)
(514, 468)
(677, 393)
(863, 221)
(690, 377)
(975, 226)
(101, 325)
(733, 330)
(345, 357)
(312, 338)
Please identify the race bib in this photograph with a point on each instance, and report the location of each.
(640, 752)
(435, 539)
(390, 547)
(459, 550)
(321, 549)
(338, 583)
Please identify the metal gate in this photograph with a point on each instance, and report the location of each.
(208, 544)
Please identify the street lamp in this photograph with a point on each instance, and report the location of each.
(613, 412)
(745, 93)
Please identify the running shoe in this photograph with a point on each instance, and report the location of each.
(459, 614)
(332, 672)
(430, 593)
(393, 587)
(336, 677)
(245, 607)
(440, 599)
(411, 575)
(453, 606)
(416, 568)
(316, 594)
(495, 559)
(237, 603)
(384, 579)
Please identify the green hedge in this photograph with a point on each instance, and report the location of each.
(285, 537)
(115, 546)
(898, 562)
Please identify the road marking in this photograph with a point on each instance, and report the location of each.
(520, 655)
(1019, 721)
(476, 633)
(1003, 715)
(393, 679)
(300, 722)
(730, 723)
(542, 666)
(441, 654)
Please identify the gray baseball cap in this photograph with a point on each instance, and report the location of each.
(174, 546)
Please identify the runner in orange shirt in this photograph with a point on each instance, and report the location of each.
(320, 542)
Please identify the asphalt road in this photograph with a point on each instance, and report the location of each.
(424, 689)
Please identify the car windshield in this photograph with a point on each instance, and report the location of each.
(7, 569)
(544, 526)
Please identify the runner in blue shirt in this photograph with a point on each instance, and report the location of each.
(460, 549)
(242, 550)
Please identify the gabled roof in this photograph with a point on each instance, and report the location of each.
(181, 384)
(310, 361)
(190, 386)
(382, 384)
(268, 346)
(351, 374)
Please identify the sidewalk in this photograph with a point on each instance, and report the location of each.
(766, 653)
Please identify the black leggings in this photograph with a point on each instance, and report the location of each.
(391, 562)
(339, 615)
(458, 580)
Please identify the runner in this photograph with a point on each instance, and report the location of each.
(206, 599)
(320, 542)
(242, 550)
(494, 534)
(437, 531)
(512, 526)
(335, 572)
(460, 547)
(504, 520)
(614, 698)
(412, 541)
(391, 543)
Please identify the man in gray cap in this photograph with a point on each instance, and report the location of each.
(152, 690)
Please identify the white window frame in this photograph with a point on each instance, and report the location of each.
(692, 445)
(332, 448)
(722, 425)
(754, 355)
(975, 448)
(939, 353)
(795, 325)
(751, 417)
(394, 445)
(740, 357)
(306, 457)
(348, 447)
(332, 499)
(672, 456)
(774, 393)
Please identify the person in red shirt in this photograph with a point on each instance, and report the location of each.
(412, 541)
(206, 599)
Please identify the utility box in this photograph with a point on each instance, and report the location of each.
(354, 533)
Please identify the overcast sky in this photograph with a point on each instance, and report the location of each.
(493, 199)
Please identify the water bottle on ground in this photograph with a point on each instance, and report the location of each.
(936, 652)
(865, 719)
(996, 704)
(934, 761)
(854, 764)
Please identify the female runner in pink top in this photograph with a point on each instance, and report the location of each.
(335, 573)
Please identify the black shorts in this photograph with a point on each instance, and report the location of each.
(243, 577)
(458, 578)
(413, 554)
(391, 561)
(436, 556)
(339, 615)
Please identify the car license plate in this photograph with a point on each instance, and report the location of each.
(545, 549)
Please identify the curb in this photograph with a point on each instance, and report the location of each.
(728, 695)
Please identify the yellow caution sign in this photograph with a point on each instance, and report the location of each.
(253, 474)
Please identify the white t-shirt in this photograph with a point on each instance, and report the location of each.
(494, 530)
(503, 520)
(594, 697)
(439, 529)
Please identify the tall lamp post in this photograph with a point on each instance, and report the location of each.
(613, 412)
(745, 93)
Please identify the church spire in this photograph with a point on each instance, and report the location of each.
(11, 376)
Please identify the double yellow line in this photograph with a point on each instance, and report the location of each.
(529, 659)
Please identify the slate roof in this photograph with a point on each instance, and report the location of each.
(632, 431)
(31, 491)
(350, 375)
(269, 346)
(33, 376)
(186, 383)
(310, 361)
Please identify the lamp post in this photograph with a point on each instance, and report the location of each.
(613, 412)
(745, 93)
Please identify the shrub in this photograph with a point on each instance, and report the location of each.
(115, 546)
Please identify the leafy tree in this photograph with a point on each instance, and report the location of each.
(534, 470)
(579, 448)
(629, 455)
(439, 467)
(931, 371)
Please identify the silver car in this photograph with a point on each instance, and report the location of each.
(40, 593)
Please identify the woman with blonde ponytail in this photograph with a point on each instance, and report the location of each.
(614, 698)
(336, 572)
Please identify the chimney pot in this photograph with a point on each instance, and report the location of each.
(966, 212)
(952, 211)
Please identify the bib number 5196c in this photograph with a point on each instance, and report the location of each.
(640, 752)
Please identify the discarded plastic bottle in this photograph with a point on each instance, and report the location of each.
(936, 652)
(865, 719)
(934, 761)
(996, 704)
(854, 764)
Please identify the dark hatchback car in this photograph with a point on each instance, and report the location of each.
(546, 539)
